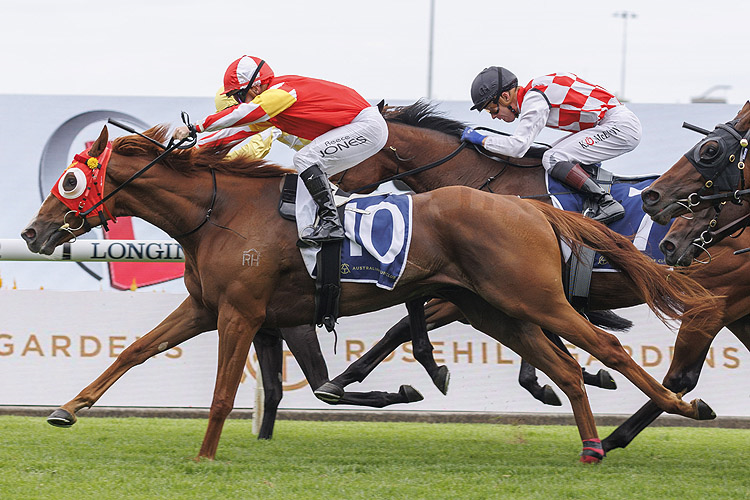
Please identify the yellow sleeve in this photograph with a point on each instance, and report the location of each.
(274, 101)
(258, 146)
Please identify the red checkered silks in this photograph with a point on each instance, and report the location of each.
(574, 103)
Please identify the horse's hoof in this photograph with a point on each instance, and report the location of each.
(704, 411)
(442, 378)
(329, 393)
(549, 397)
(61, 418)
(605, 380)
(589, 459)
(410, 394)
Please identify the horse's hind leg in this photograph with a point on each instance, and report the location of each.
(236, 332)
(437, 313)
(184, 323)
(562, 368)
(565, 321)
(527, 340)
(269, 349)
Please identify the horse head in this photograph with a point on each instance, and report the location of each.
(67, 211)
(715, 164)
(689, 239)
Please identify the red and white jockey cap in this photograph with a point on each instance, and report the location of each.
(240, 72)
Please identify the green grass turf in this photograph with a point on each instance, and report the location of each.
(134, 458)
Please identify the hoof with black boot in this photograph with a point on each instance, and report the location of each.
(61, 418)
(442, 379)
(605, 380)
(329, 393)
(704, 411)
(549, 397)
(601, 379)
(410, 394)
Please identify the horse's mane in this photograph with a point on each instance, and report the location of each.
(424, 114)
(194, 160)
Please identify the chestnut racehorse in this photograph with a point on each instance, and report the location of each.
(418, 135)
(522, 293)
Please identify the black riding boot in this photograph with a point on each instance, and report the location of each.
(329, 227)
(609, 209)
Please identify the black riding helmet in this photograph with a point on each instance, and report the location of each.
(489, 84)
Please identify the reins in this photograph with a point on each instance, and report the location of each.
(185, 143)
(437, 163)
(413, 171)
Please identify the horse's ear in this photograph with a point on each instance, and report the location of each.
(743, 117)
(100, 144)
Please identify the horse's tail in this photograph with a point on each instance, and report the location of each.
(668, 293)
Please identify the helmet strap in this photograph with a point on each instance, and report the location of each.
(242, 94)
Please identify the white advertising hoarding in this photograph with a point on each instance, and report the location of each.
(53, 344)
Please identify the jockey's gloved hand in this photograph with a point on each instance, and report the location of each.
(472, 136)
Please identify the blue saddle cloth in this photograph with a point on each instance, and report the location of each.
(636, 225)
(378, 236)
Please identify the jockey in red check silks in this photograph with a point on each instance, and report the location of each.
(342, 127)
(602, 127)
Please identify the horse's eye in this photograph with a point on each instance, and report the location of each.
(69, 184)
(710, 152)
(72, 184)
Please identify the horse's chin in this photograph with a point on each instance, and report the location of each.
(668, 213)
(685, 259)
(54, 240)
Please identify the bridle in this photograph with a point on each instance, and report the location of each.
(713, 157)
(185, 143)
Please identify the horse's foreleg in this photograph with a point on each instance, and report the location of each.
(236, 332)
(185, 322)
(528, 380)
(691, 348)
(422, 347)
(362, 367)
(303, 343)
(269, 348)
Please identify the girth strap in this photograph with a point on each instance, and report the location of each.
(328, 284)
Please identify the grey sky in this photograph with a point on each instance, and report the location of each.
(676, 49)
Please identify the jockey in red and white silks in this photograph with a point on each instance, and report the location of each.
(602, 127)
(342, 127)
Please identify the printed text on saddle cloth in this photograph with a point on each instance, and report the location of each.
(378, 231)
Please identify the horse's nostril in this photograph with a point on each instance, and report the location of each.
(28, 235)
(650, 196)
(667, 247)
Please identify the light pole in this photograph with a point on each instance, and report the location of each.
(429, 55)
(624, 15)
